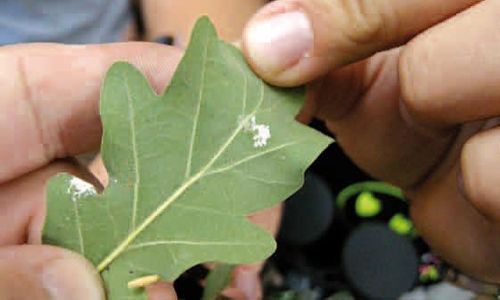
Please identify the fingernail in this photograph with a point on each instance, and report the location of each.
(279, 41)
(71, 278)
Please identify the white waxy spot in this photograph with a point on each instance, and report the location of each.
(79, 188)
(261, 132)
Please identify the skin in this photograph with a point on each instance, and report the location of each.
(176, 18)
(412, 100)
(428, 111)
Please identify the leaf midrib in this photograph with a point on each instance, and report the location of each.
(152, 217)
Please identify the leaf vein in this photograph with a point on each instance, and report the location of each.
(251, 157)
(201, 209)
(270, 182)
(198, 109)
(191, 243)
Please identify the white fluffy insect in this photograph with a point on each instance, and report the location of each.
(261, 132)
(80, 188)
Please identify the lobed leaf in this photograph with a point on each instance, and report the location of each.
(185, 168)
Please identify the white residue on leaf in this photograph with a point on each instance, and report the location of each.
(79, 188)
(261, 132)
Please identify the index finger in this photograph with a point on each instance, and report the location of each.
(49, 97)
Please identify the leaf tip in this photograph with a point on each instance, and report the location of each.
(204, 26)
(119, 67)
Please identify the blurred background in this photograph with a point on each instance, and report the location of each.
(343, 235)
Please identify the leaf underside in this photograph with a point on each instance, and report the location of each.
(184, 169)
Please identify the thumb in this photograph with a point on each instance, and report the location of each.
(292, 42)
(47, 273)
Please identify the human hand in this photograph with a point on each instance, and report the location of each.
(424, 115)
(49, 111)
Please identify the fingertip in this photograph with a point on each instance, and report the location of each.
(278, 43)
(479, 165)
(46, 272)
(58, 277)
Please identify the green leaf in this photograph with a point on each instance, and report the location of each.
(217, 280)
(184, 169)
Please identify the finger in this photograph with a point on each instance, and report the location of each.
(246, 281)
(480, 163)
(50, 93)
(234, 293)
(47, 273)
(97, 168)
(161, 291)
(290, 42)
(454, 228)
(22, 203)
(360, 104)
(451, 73)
